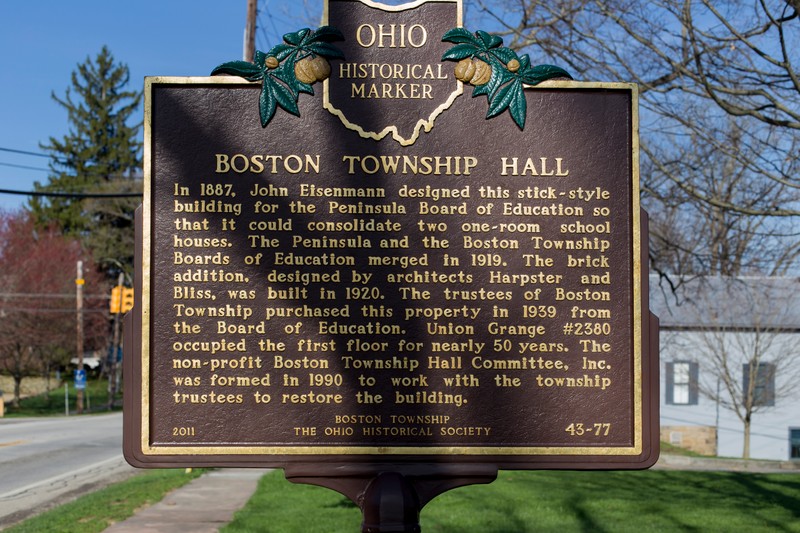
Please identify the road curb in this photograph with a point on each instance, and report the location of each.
(681, 462)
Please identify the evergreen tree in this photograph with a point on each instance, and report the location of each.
(100, 154)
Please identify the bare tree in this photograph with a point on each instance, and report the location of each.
(705, 238)
(293, 15)
(716, 77)
(744, 340)
(720, 113)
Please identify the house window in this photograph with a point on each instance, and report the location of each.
(682, 383)
(764, 386)
(794, 443)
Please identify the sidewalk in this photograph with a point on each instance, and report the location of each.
(201, 506)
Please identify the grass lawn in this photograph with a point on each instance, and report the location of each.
(95, 399)
(98, 510)
(562, 502)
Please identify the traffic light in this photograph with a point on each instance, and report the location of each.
(127, 300)
(115, 300)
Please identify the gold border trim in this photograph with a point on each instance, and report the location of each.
(147, 209)
(638, 312)
(423, 123)
(637, 329)
(381, 450)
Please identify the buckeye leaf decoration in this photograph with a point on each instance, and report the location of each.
(504, 87)
(288, 69)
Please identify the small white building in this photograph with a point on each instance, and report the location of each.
(729, 346)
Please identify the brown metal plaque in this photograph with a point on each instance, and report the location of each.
(469, 292)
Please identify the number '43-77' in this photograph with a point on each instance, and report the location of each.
(598, 429)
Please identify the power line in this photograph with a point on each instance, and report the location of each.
(24, 152)
(73, 194)
(52, 157)
(48, 295)
(24, 167)
(50, 310)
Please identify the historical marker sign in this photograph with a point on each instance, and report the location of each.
(391, 275)
(392, 82)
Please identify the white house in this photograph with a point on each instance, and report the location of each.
(727, 344)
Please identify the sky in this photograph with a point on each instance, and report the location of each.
(42, 42)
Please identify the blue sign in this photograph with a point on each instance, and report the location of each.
(80, 379)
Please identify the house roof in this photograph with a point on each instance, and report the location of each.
(742, 303)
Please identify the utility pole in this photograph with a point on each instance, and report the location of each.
(79, 310)
(250, 31)
(112, 358)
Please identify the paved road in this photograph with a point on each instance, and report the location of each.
(46, 461)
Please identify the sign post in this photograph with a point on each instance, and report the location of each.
(383, 284)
